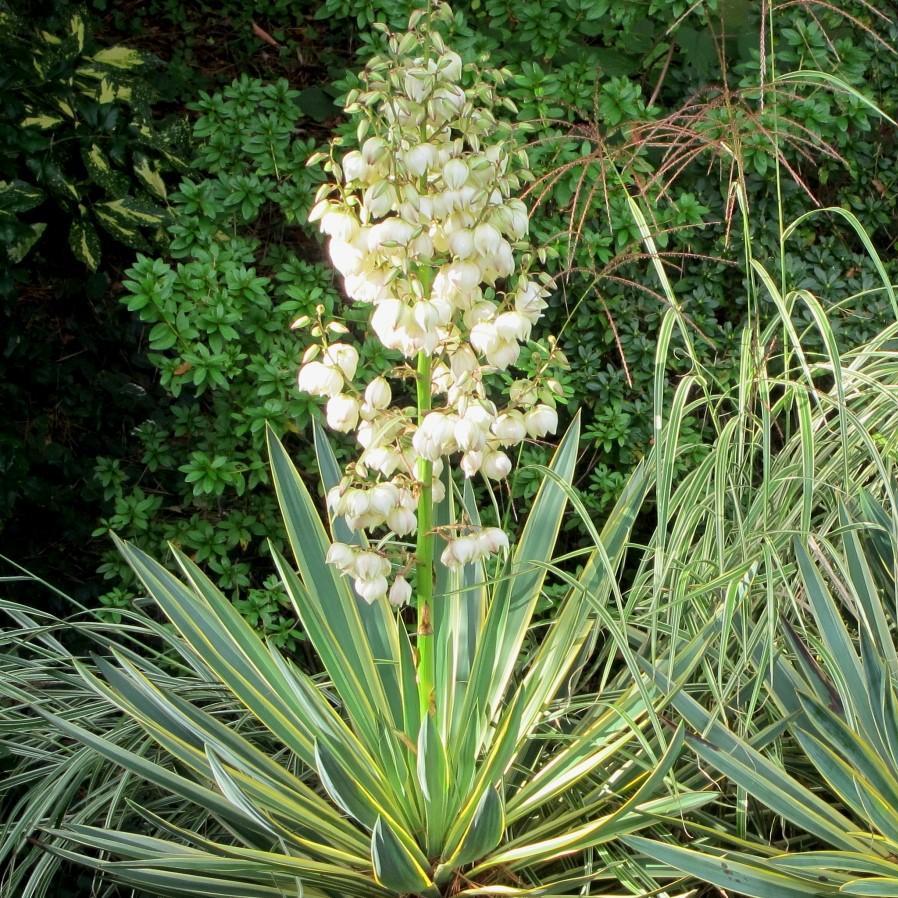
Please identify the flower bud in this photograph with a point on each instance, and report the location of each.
(400, 592)
(342, 413)
(378, 393)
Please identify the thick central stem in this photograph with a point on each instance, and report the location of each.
(424, 550)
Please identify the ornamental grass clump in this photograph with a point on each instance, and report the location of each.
(458, 754)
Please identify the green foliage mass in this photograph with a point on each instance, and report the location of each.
(84, 160)
(658, 100)
(622, 99)
(218, 311)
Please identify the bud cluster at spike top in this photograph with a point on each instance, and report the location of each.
(423, 226)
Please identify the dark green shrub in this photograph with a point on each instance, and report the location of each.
(83, 168)
(219, 311)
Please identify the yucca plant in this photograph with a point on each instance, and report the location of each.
(511, 786)
(835, 693)
(450, 754)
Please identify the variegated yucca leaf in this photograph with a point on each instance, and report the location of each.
(497, 789)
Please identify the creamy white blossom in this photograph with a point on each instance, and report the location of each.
(342, 413)
(400, 591)
(319, 379)
(541, 420)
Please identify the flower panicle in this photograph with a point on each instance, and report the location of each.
(424, 227)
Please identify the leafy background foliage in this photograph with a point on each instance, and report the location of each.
(659, 100)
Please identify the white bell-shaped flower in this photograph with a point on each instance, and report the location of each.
(340, 224)
(342, 413)
(491, 540)
(420, 158)
(341, 556)
(378, 393)
(354, 167)
(540, 420)
(371, 590)
(343, 356)
(455, 173)
(319, 379)
(487, 239)
(400, 592)
(513, 326)
(402, 521)
(449, 66)
(470, 463)
(509, 428)
(496, 465)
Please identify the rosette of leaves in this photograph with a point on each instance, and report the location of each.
(515, 783)
(80, 152)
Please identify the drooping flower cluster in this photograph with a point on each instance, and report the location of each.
(424, 228)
